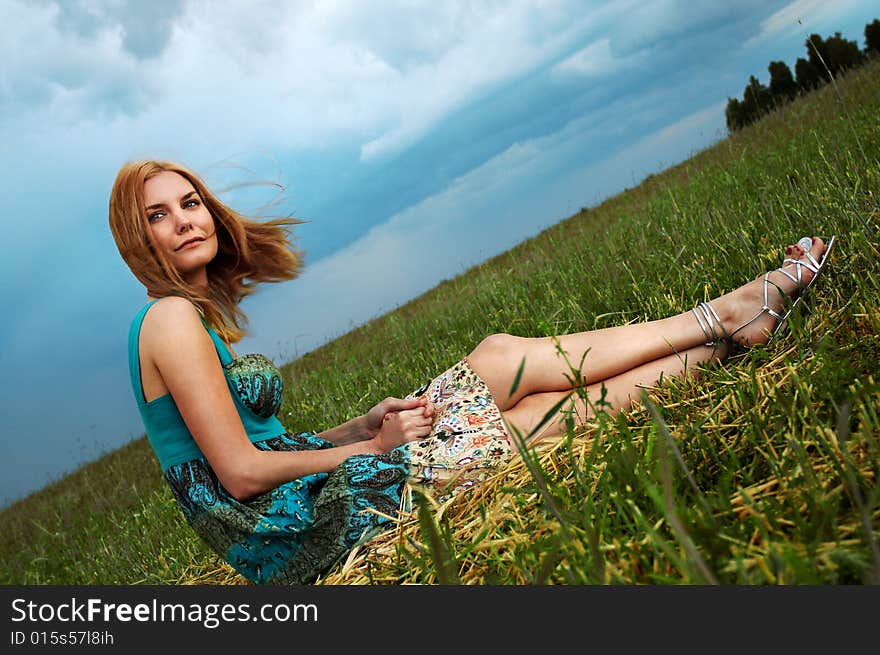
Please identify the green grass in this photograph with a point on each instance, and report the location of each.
(761, 471)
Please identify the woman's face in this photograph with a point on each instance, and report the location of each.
(181, 224)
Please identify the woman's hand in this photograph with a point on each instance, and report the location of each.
(367, 426)
(402, 427)
(374, 420)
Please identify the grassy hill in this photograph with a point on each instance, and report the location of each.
(761, 471)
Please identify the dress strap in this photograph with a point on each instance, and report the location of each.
(134, 360)
(222, 349)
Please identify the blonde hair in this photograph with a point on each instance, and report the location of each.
(248, 251)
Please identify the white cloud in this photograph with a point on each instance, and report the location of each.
(489, 49)
(800, 16)
(638, 26)
(73, 76)
(594, 60)
(789, 17)
(298, 75)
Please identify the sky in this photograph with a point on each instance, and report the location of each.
(416, 139)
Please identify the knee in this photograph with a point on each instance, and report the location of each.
(496, 346)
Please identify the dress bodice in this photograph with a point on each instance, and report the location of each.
(257, 382)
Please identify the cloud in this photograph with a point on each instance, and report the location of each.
(89, 57)
(300, 75)
(596, 59)
(791, 17)
(80, 69)
(485, 51)
(800, 16)
(405, 36)
(663, 23)
(146, 26)
(681, 131)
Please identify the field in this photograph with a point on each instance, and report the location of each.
(763, 470)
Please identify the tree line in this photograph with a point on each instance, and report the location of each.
(825, 59)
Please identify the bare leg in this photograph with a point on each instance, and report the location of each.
(611, 351)
(605, 353)
(622, 391)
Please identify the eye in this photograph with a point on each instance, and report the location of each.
(191, 203)
(155, 216)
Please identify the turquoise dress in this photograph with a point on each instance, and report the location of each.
(294, 532)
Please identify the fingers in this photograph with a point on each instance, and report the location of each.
(418, 413)
(424, 409)
(410, 416)
(414, 418)
(407, 425)
(399, 404)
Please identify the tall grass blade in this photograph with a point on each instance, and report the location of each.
(441, 552)
(668, 501)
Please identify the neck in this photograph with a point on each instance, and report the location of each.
(199, 279)
(199, 282)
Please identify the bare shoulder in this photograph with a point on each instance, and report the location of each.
(171, 311)
(169, 319)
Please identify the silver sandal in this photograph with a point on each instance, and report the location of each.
(711, 324)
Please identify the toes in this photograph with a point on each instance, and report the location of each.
(794, 251)
(797, 251)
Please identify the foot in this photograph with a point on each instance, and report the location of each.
(739, 309)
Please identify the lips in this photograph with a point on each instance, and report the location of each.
(189, 243)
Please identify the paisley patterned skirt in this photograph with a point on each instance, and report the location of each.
(300, 529)
(468, 440)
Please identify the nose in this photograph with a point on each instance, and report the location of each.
(183, 223)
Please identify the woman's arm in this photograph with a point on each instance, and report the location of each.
(349, 432)
(368, 425)
(175, 341)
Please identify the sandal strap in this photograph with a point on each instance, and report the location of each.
(710, 323)
(705, 327)
(812, 266)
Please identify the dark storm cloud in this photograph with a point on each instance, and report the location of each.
(146, 24)
(88, 63)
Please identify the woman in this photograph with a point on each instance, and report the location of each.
(283, 507)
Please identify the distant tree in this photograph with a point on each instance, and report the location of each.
(782, 85)
(734, 115)
(807, 75)
(817, 53)
(832, 55)
(872, 37)
(826, 58)
(844, 54)
(756, 100)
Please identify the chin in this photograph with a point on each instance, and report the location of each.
(190, 268)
